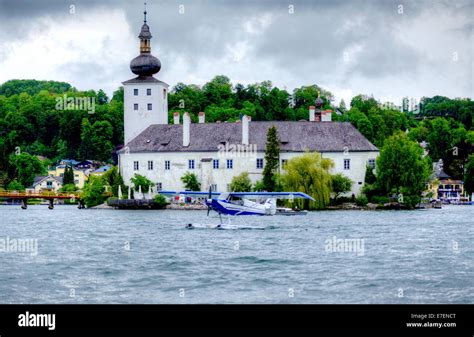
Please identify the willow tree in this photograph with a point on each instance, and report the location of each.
(309, 173)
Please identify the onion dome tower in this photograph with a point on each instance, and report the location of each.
(145, 64)
(145, 97)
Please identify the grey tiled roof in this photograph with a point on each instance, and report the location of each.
(294, 137)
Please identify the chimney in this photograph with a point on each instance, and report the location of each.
(326, 116)
(202, 117)
(186, 129)
(245, 129)
(311, 113)
(176, 117)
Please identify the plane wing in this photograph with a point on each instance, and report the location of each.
(249, 195)
(276, 195)
(190, 193)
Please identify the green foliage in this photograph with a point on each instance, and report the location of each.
(340, 184)
(32, 87)
(93, 191)
(114, 179)
(375, 123)
(191, 182)
(15, 185)
(160, 201)
(68, 177)
(259, 187)
(25, 167)
(241, 183)
(68, 188)
(469, 175)
(369, 175)
(381, 200)
(96, 140)
(272, 159)
(401, 167)
(309, 173)
(139, 180)
(361, 200)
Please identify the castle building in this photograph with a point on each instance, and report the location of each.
(216, 152)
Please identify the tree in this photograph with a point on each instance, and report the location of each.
(309, 173)
(25, 167)
(139, 180)
(342, 106)
(102, 133)
(439, 138)
(160, 201)
(191, 182)
(68, 188)
(340, 184)
(272, 159)
(402, 167)
(469, 175)
(114, 179)
(370, 177)
(93, 191)
(68, 177)
(15, 185)
(241, 183)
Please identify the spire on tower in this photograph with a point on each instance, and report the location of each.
(144, 14)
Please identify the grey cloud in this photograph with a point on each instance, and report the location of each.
(307, 45)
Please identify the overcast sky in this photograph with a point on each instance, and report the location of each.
(386, 48)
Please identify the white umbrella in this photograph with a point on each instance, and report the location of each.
(129, 193)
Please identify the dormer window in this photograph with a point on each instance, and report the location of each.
(135, 92)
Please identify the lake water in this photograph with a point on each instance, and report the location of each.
(124, 256)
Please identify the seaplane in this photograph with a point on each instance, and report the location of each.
(241, 203)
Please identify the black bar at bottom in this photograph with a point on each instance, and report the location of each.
(416, 320)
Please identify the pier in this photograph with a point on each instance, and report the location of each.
(48, 195)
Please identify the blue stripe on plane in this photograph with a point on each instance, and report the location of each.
(221, 209)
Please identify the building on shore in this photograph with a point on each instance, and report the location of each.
(46, 183)
(217, 152)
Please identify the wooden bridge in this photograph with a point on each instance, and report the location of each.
(47, 195)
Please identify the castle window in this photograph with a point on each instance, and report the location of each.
(135, 165)
(159, 186)
(371, 163)
(230, 163)
(135, 92)
(215, 164)
(260, 163)
(149, 106)
(347, 164)
(167, 164)
(214, 187)
(135, 106)
(148, 92)
(150, 165)
(283, 162)
(191, 164)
